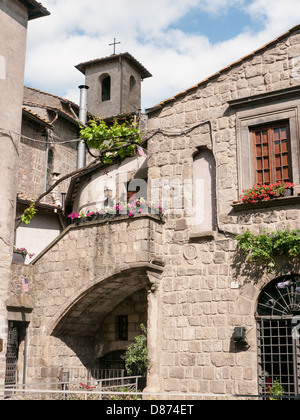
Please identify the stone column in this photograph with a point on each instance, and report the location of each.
(154, 327)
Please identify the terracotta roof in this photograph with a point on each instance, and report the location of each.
(23, 199)
(35, 9)
(50, 102)
(224, 70)
(115, 57)
(35, 116)
(51, 94)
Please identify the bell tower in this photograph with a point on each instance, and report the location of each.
(114, 85)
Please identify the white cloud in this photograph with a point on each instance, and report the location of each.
(277, 15)
(77, 31)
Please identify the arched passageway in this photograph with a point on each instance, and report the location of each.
(104, 320)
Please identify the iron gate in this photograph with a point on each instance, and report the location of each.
(12, 355)
(278, 316)
(278, 357)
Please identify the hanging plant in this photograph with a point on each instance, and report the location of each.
(269, 245)
(29, 214)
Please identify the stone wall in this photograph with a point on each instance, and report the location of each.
(35, 174)
(79, 281)
(14, 17)
(135, 307)
(122, 100)
(206, 289)
(198, 287)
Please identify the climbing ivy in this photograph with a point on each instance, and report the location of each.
(29, 214)
(267, 246)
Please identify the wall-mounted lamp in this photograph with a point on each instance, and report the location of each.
(240, 338)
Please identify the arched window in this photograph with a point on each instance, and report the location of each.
(278, 325)
(204, 186)
(132, 83)
(106, 88)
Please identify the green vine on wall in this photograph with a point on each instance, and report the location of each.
(29, 214)
(113, 142)
(267, 246)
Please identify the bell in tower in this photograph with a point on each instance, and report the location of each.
(115, 85)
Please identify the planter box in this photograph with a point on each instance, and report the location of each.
(19, 257)
(276, 202)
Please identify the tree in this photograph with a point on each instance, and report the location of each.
(136, 357)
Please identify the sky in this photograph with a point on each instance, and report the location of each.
(181, 42)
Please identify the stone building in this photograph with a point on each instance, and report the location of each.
(48, 150)
(14, 17)
(216, 325)
(114, 84)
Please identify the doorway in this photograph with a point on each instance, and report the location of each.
(15, 372)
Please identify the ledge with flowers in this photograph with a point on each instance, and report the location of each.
(20, 254)
(266, 196)
(132, 209)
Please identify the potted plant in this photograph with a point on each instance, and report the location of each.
(20, 254)
(135, 207)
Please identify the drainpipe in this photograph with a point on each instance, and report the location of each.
(121, 87)
(81, 161)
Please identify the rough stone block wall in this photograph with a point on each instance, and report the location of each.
(207, 291)
(78, 282)
(135, 307)
(32, 174)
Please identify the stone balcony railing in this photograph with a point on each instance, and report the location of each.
(113, 241)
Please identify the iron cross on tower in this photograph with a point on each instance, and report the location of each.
(114, 44)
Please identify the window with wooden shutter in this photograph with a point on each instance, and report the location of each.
(272, 153)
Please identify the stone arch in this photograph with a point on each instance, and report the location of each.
(280, 297)
(79, 315)
(72, 338)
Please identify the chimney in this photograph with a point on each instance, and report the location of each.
(81, 161)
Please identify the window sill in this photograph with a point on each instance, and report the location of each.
(202, 236)
(277, 202)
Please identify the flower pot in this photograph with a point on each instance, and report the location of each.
(289, 192)
(19, 257)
